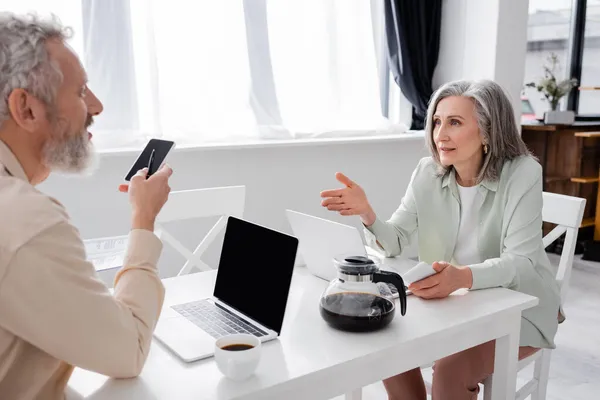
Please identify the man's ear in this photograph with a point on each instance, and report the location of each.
(25, 109)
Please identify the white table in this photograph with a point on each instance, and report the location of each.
(310, 360)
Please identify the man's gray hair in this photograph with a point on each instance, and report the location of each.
(24, 60)
(496, 120)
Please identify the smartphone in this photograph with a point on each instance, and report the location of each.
(152, 157)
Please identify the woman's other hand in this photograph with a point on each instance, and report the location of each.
(447, 280)
(350, 200)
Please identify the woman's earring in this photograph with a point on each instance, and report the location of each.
(485, 148)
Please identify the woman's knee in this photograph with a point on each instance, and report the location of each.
(408, 385)
(466, 368)
(451, 369)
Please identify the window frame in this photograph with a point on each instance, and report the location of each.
(575, 52)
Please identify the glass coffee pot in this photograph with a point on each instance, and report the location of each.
(360, 299)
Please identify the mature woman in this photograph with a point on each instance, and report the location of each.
(476, 206)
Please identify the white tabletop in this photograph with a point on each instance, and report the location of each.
(311, 359)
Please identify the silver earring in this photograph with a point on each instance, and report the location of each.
(485, 148)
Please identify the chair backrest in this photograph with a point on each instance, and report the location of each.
(567, 213)
(198, 203)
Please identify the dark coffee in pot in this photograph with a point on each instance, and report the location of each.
(356, 311)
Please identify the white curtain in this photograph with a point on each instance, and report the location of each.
(69, 12)
(325, 66)
(229, 70)
(192, 71)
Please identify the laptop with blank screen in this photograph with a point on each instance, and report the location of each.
(245, 299)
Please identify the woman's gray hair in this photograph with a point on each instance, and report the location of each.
(496, 120)
(24, 60)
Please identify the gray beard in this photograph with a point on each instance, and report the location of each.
(72, 155)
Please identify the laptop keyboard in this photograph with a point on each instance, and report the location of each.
(216, 320)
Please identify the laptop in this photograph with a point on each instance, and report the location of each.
(322, 240)
(244, 299)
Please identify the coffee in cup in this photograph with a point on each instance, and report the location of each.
(237, 347)
(237, 355)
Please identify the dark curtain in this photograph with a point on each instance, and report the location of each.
(413, 40)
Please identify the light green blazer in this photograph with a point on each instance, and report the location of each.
(509, 236)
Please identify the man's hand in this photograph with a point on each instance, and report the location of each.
(147, 196)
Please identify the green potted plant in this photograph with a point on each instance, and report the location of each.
(554, 90)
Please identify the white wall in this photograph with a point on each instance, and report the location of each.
(484, 40)
(511, 48)
(275, 179)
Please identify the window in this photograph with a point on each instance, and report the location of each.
(324, 82)
(548, 31)
(589, 99)
(69, 11)
(229, 70)
(571, 30)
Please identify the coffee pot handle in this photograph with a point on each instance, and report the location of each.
(396, 280)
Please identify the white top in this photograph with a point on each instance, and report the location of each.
(466, 251)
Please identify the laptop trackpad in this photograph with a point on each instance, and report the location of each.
(184, 338)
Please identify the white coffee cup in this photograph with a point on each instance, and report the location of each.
(237, 364)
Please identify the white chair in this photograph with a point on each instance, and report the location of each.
(198, 203)
(566, 212)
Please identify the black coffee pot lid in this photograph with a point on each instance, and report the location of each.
(356, 265)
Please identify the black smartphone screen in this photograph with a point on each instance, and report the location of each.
(161, 149)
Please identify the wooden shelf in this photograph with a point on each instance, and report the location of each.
(587, 222)
(582, 179)
(575, 179)
(589, 88)
(570, 157)
(587, 134)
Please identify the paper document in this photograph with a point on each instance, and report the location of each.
(106, 253)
